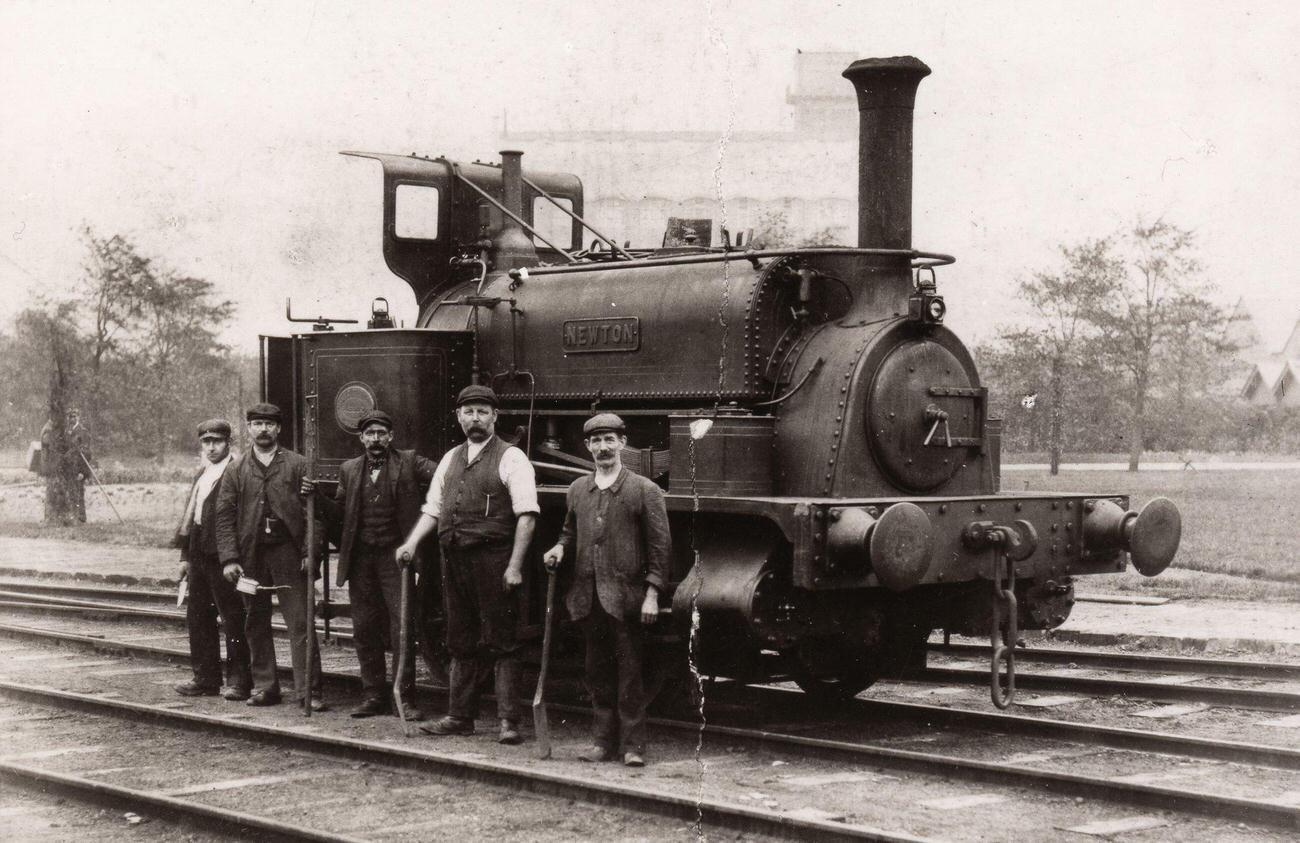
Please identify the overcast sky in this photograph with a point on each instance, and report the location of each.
(208, 132)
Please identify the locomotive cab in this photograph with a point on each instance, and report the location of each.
(439, 213)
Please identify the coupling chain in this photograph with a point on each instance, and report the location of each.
(1005, 632)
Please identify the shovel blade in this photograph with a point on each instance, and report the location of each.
(401, 711)
(542, 727)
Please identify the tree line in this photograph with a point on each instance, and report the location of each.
(1125, 352)
(136, 349)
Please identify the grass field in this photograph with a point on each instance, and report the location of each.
(149, 513)
(1239, 524)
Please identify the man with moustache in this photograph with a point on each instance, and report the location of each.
(261, 534)
(616, 528)
(210, 595)
(378, 500)
(483, 503)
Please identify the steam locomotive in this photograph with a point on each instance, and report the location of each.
(832, 473)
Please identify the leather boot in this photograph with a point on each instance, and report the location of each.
(370, 707)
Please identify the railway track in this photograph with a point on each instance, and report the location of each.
(782, 701)
(27, 589)
(1148, 689)
(1148, 662)
(70, 594)
(41, 604)
(1134, 790)
(321, 751)
(60, 600)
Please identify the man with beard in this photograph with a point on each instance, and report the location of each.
(210, 595)
(261, 535)
(483, 503)
(378, 501)
(618, 524)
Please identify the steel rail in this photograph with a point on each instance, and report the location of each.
(134, 595)
(636, 797)
(74, 592)
(1254, 698)
(194, 814)
(57, 605)
(1116, 737)
(984, 772)
(1134, 661)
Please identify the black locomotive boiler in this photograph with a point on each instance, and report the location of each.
(831, 470)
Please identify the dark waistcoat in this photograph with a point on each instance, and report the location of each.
(378, 512)
(476, 506)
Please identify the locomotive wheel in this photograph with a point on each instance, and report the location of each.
(835, 669)
(829, 670)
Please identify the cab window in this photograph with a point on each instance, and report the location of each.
(415, 216)
(552, 223)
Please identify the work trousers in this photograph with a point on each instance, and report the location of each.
(375, 590)
(482, 628)
(614, 657)
(212, 596)
(279, 565)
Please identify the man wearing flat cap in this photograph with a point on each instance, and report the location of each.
(211, 595)
(616, 531)
(261, 535)
(483, 503)
(378, 502)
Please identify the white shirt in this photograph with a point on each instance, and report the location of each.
(207, 482)
(515, 471)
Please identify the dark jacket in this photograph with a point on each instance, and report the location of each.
(239, 503)
(407, 474)
(206, 540)
(622, 543)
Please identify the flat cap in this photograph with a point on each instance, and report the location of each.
(477, 392)
(375, 417)
(602, 422)
(269, 412)
(214, 429)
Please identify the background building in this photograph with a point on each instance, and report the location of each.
(1267, 336)
(636, 180)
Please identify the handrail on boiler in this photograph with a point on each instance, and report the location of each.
(455, 169)
(548, 197)
(918, 259)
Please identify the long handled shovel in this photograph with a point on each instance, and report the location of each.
(403, 645)
(541, 725)
(100, 486)
(311, 603)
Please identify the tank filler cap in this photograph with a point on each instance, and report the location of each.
(902, 543)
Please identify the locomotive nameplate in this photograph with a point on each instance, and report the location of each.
(622, 333)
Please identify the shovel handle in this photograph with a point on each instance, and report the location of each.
(541, 724)
(403, 645)
(546, 638)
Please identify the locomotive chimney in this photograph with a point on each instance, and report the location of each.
(512, 248)
(886, 93)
